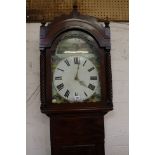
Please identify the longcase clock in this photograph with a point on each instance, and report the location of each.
(76, 82)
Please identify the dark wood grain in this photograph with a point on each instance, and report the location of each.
(80, 134)
(42, 77)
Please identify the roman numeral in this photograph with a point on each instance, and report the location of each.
(67, 62)
(58, 78)
(85, 94)
(76, 60)
(67, 93)
(84, 63)
(89, 70)
(60, 69)
(60, 86)
(93, 77)
(90, 86)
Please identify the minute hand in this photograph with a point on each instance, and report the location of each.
(77, 78)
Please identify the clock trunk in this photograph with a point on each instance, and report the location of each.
(81, 134)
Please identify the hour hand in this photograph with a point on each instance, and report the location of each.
(82, 83)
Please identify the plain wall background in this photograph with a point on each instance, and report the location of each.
(116, 121)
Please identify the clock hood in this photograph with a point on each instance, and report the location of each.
(75, 20)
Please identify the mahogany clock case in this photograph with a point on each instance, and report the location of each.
(76, 128)
(50, 36)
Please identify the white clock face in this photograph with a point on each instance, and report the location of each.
(76, 78)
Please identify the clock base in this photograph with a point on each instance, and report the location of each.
(81, 134)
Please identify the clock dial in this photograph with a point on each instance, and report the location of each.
(75, 78)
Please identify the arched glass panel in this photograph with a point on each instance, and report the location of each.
(75, 66)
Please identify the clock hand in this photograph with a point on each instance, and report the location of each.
(82, 83)
(76, 76)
